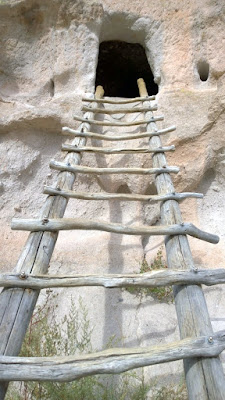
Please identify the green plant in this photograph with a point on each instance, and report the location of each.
(170, 393)
(163, 293)
(127, 386)
(47, 336)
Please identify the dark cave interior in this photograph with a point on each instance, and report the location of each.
(120, 64)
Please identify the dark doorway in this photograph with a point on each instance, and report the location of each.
(120, 64)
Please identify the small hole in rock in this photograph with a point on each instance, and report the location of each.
(52, 87)
(203, 70)
(120, 64)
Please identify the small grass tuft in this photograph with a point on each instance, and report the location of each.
(171, 392)
(47, 336)
(164, 293)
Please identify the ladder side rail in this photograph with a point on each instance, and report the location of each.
(17, 305)
(204, 377)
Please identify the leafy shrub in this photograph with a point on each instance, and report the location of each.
(47, 337)
(163, 293)
(171, 393)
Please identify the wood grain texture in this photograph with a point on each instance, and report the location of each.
(113, 101)
(113, 138)
(120, 196)
(57, 224)
(118, 110)
(152, 279)
(102, 171)
(118, 123)
(111, 361)
(125, 150)
(204, 378)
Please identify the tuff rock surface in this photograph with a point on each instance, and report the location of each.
(49, 53)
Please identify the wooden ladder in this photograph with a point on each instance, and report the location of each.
(199, 346)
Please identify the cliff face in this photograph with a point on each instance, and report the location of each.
(49, 53)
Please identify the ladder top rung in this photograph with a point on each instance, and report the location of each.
(119, 110)
(122, 101)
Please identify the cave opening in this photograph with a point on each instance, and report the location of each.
(120, 64)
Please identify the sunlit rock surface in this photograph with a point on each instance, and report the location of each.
(49, 54)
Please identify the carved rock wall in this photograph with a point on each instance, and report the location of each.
(49, 54)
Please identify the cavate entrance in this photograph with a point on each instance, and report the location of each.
(120, 64)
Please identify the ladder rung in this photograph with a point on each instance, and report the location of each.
(69, 147)
(126, 101)
(119, 110)
(120, 196)
(71, 132)
(58, 224)
(118, 123)
(152, 279)
(101, 171)
(114, 360)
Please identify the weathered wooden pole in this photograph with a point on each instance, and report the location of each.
(121, 196)
(204, 377)
(117, 101)
(17, 305)
(57, 224)
(148, 279)
(110, 361)
(121, 150)
(118, 123)
(102, 171)
(118, 110)
(114, 138)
